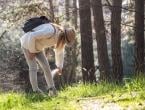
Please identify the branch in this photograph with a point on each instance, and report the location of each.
(124, 24)
(2, 35)
(14, 14)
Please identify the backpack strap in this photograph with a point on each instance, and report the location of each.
(54, 28)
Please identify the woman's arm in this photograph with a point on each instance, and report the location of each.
(59, 58)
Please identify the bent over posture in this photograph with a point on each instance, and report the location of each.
(33, 43)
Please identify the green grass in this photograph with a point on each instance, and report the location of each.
(129, 93)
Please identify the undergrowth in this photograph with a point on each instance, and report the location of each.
(131, 92)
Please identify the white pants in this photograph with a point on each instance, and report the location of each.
(41, 59)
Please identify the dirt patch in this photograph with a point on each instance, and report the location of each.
(101, 104)
(98, 104)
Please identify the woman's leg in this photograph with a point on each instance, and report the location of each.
(46, 68)
(32, 70)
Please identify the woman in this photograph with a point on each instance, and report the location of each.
(33, 43)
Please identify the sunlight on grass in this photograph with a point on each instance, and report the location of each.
(132, 92)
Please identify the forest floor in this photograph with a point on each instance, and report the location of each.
(101, 96)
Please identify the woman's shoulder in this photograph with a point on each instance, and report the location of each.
(43, 26)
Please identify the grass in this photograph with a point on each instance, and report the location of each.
(127, 94)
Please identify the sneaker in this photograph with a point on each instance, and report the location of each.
(52, 92)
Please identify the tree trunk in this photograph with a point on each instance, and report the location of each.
(86, 41)
(67, 10)
(101, 40)
(75, 14)
(117, 65)
(51, 10)
(139, 35)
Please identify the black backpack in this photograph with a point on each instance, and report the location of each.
(31, 23)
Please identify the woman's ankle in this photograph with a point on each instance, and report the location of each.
(52, 91)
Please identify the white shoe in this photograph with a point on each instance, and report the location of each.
(52, 92)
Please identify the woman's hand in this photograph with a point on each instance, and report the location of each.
(59, 71)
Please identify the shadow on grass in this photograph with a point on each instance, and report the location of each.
(35, 97)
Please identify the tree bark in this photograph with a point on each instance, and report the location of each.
(51, 10)
(67, 14)
(101, 40)
(75, 14)
(117, 65)
(86, 41)
(139, 35)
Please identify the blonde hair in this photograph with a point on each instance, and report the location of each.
(70, 35)
(61, 40)
(65, 36)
